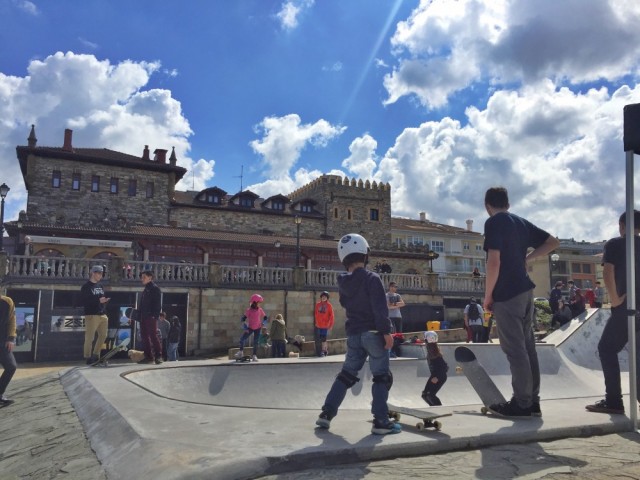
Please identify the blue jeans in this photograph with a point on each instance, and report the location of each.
(256, 338)
(172, 352)
(8, 362)
(359, 347)
(614, 337)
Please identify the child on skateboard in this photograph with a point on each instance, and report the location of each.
(368, 331)
(252, 321)
(438, 368)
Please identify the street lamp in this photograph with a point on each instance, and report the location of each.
(553, 261)
(4, 190)
(431, 256)
(298, 221)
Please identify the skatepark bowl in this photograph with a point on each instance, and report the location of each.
(227, 420)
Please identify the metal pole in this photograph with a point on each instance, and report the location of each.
(297, 244)
(631, 291)
(2, 225)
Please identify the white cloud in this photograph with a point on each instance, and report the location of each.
(105, 104)
(362, 161)
(284, 138)
(334, 67)
(290, 12)
(27, 6)
(87, 43)
(448, 45)
(559, 153)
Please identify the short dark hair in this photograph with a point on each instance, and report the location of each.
(636, 218)
(354, 258)
(148, 273)
(497, 197)
(393, 284)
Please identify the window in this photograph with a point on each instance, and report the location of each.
(575, 268)
(413, 240)
(113, 188)
(374, 215)
(478, 247)
(149, 189)
(246, 202)
(75, 181)
(465, 246)
(56, 178)
(95, 183)
(348, 214)
(213, 198)
(277, 205)
(586, 268)
(335, 212)
(437, 246)
(133, 187)
(306, 208)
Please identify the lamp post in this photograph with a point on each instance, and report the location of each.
(4, 190)
(431, 256)
(553, 261)
(298, 221)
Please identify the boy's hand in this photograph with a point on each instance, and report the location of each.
(388, 341)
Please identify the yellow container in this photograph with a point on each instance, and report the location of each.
(487, 317)
(433, 325)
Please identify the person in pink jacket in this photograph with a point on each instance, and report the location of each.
(252, 321)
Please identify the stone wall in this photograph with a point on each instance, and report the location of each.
(84, 207)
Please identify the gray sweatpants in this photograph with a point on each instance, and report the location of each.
(514, 321)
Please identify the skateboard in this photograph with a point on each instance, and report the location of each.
(428, 418)
(479, 378)
(243, 359)
(118, 348)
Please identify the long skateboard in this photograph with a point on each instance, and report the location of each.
(243, 359)
(104, 361)
(428, 418)
(479, 378)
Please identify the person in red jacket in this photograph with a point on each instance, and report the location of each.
(324, 320)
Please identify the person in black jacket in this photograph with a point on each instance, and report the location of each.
(173, 339)
(150, 306)
(438, 368)
(96, 321)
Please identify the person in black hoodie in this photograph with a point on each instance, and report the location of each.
(368, 329)
(150, 306)
(96, 321)
(438, 368)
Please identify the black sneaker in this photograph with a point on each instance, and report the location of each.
(158, 361)
(603, 407)
(535, 409)
(5, 402)
(92, 359)
(510, 409)
(324, 419)
(145, 361)
(385, 426)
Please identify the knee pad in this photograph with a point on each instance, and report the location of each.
(348, 379)
(386, 379)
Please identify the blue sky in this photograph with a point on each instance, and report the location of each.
(441, 98)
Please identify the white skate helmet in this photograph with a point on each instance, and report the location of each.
(431, 337)
(352, 243)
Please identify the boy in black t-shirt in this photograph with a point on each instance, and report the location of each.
(616, 333)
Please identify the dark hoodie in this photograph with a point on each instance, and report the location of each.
(363, 297)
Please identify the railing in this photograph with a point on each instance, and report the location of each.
(266, 276)
(26, 268)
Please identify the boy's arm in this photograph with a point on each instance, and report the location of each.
(493, 269)
(549, 245)
(609, 277)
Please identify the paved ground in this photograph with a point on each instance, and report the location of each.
(41, 438)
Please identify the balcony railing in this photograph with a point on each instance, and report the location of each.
(117, 270)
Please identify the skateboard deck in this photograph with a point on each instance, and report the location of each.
(243, 359)
(428, 418)
(479, 378)
(118, 348)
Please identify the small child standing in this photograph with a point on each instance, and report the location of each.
(278, 334)
(252, 321)
(173, 339)
(438, 368)
(324, 320)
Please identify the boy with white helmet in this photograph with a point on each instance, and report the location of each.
(368, 331)
(438, 368)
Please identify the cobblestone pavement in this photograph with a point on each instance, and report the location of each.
(41, 438)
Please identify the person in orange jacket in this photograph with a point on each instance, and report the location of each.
(324, 320)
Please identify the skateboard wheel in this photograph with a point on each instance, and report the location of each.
(437, 425)
(484, 410)
(420, 426)
(396, 416)
(458, 369)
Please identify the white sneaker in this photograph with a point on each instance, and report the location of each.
(238, 354)
(254, 358)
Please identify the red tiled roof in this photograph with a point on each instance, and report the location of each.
(428, 227)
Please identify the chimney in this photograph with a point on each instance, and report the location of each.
(161, 155)
(469, 225)
(32, 140)
(68, 135)
(423, 217)
(145, 153)
(173, 159)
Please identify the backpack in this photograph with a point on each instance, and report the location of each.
(473, 313)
